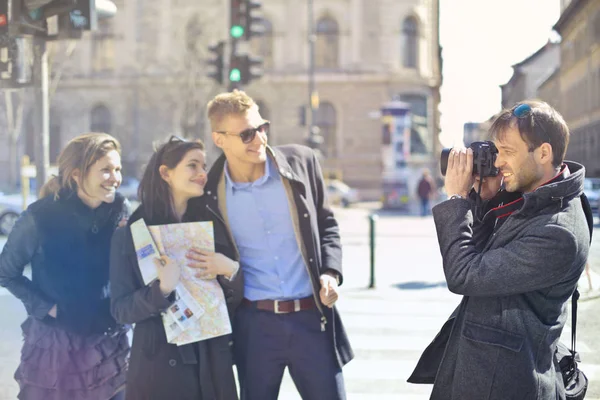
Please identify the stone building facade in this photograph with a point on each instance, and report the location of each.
(142, 76)
(579, 80)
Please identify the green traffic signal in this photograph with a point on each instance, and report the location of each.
(235, 75)
(237, 31)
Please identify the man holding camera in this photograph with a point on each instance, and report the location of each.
(515, 253)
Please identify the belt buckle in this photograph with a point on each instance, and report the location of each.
(296, 305)
(276, 308)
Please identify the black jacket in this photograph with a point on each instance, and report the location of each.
(297, 165)
(68, 245)
(157, 369)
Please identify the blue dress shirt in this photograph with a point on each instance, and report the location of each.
(261, 224)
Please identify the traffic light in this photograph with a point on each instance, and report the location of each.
(241, 69)
(218, 62)
(42, 9)
(244, 23)
(253, 23)
(237, 16)
(74, 16)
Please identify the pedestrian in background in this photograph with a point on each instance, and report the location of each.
(425, 192)
(273, 202)
(158, 370)
(516, 265)
(73, 348)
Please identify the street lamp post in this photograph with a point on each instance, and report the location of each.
(313, 99)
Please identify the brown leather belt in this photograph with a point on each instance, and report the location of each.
(282, 306)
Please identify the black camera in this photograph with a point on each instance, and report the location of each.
(484, 157)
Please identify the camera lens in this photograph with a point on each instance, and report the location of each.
(444, 160)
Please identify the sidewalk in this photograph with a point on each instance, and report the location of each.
(388, 329)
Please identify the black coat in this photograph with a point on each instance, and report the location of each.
(159, 370)
(297, 165)
(67, 244)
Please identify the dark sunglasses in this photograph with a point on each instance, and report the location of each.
(523, 111)
(175, 138)
(249, 134)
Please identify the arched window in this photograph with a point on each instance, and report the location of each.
(410, 32)
(326, 120)
(100, 119)
(327, 44)
(263, 44)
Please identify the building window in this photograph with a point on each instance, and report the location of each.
(326, 120)
(327, 44)
(263, 44)
(410, 32)
(103, 47)
(101, 120)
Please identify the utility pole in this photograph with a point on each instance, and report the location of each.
(311, 66)
(314, 139)
(42, 113)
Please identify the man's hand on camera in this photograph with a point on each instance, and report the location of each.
(490, 187)
(459, 175)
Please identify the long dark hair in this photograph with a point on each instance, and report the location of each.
(154, 192)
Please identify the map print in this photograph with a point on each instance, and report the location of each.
(200, 311)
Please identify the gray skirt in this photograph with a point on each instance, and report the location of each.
(58, 365)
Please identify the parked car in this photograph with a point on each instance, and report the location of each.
(341, 194)
(11, 207)
(129, 187)
(591, 188)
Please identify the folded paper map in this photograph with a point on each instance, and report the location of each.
(200, 311)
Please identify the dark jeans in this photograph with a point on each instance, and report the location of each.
(265, 343)
(424, 207)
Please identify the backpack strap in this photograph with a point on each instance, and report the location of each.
(589, 216)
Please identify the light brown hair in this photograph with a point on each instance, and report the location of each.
(79, 155)
(230, 103)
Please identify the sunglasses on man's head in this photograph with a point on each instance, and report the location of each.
(524, 111)
(248, 135)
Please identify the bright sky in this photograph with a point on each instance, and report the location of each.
(481, 40)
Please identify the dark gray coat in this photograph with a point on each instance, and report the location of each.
(318, 228)
(500, 342)
(159, 370)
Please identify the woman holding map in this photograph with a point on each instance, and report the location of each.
(73, 348)
(161, 367)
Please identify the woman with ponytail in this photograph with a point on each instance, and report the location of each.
(73, 348)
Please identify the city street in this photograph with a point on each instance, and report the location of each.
(390, 325)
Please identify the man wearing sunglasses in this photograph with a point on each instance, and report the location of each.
(516, 261)
(272, 202)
